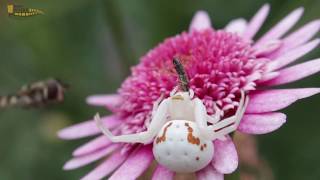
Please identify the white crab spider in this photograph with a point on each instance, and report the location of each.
(181, 132)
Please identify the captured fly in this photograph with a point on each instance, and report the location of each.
(183, 78)
(36, 94)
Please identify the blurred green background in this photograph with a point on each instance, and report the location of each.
(91, 45)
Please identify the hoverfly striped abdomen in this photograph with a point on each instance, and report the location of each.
(36, 94)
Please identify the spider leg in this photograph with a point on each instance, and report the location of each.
(221, 133)
(216, 116)
(213, 119)
(191, 93)
(156, 105)
(230, 124)
(173, 92)
(201, 117)
(130, 138)
(157, 122)
(243, 104)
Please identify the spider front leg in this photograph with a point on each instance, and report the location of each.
(216, 116)
(220, 128)
(156, 105)
(230, 124)
(201, 117)
(158, 120)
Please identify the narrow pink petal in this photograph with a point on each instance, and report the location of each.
(135, 165)
(268, 76)
(237, 26)
(106, 167)
(261, 123)
(297, 72)
(273, 100)
(200, 21)
(87, 128)
(91, 146)
(110, 101)
(162, 173)
(256, 22)
(267, 48)
(209, 173)
(282, 27)
(299, 37)
(295, 54)
(86, 159)
(225, 159)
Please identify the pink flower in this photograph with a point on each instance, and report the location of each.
(219, 63)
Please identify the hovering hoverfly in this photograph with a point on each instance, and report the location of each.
(36, 94)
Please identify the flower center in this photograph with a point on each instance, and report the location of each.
(219, 65)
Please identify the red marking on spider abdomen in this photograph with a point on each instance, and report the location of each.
(192, 139)
(163, 137)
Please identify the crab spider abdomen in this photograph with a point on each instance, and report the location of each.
(180, 147)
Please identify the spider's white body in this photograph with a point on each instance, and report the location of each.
(182, 131)
(180, 147)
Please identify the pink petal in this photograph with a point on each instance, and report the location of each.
(268, 76)
(200, 21)
(87, 128)
(110, 101)
(209, 173)
(261, 123)
(256, 22)
(91, 146)
(295, 54)
(267, 48)
(162, 173)
(86, 159)
(300, 36)
(135, 165)
(282, 27)
(273, 100)
(296, 72)
(106, 167)
(237, 26)
(225, 159)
